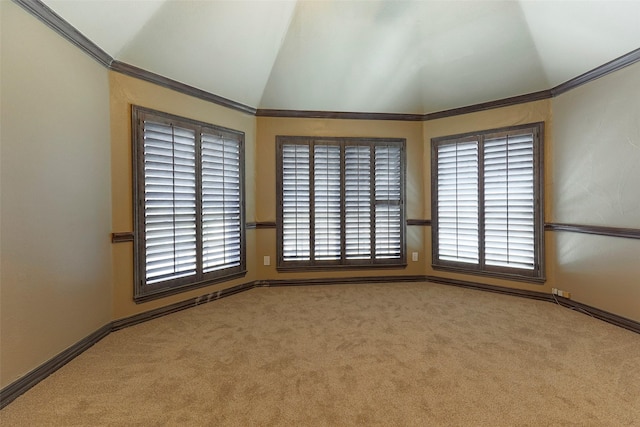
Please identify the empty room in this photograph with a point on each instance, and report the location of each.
(319, 212)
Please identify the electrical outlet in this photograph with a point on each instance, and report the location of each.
(414, 256)
(561, 293)
(267, 260)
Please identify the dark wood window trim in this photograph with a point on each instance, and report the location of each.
(343, 262)
(537, 273)
(174, 283)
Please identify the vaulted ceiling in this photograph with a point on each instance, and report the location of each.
(363, 56)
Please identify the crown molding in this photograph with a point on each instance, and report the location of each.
(345, 115)
(66, 30)
(611, 66)
(498, 103)
(62, 27)
(142, 74)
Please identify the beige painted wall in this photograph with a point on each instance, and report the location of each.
(596, 179)
(125, 92)
(65, 176)
(268, 128)
(55, 221)
(539, 111)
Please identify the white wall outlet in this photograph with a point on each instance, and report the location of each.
(561, 293)
(414, 256)
(267, 260)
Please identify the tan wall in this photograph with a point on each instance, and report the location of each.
(596, 180)
(127, 91)
(65, 176)
(532, 112)
(268, 128)
(55, 278)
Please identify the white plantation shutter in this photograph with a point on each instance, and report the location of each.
(327, 201)
(388, 212)
(341, 202)
(487, 202)
(296, 202)
(357, 202)
(170, 202)
(190, 209)
(221, 217)
(509, 201)
(457, 196)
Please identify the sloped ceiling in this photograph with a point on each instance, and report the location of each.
(361, 56)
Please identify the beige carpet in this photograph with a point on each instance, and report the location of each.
(382, 354)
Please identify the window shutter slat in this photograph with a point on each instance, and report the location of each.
(509, 202)
(296, 204)
(340, 201)
(189, 219)
(357, 202)
(170, 201)
(327, 205)
(457, 199)
(388, 220)
(221, 228)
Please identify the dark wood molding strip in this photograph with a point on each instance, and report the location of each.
(345, 115)
(422, 222)
(262, 224)
(122, 237)
(62, 27)
(628, 233)
(597, 313)
(66, 30)
(611, 66)
(499, 103)
(340, 280)
(185, 288)
(139, 73)
(605, 316)
(20, 386)
(266, 224)
(23, 384)
(541, 296)
(192, 302)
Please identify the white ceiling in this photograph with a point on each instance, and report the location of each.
(387, 56)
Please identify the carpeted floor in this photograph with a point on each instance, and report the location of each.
(380, 354)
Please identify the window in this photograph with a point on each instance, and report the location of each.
(189, 203)
(340, 202)
(487, 202)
